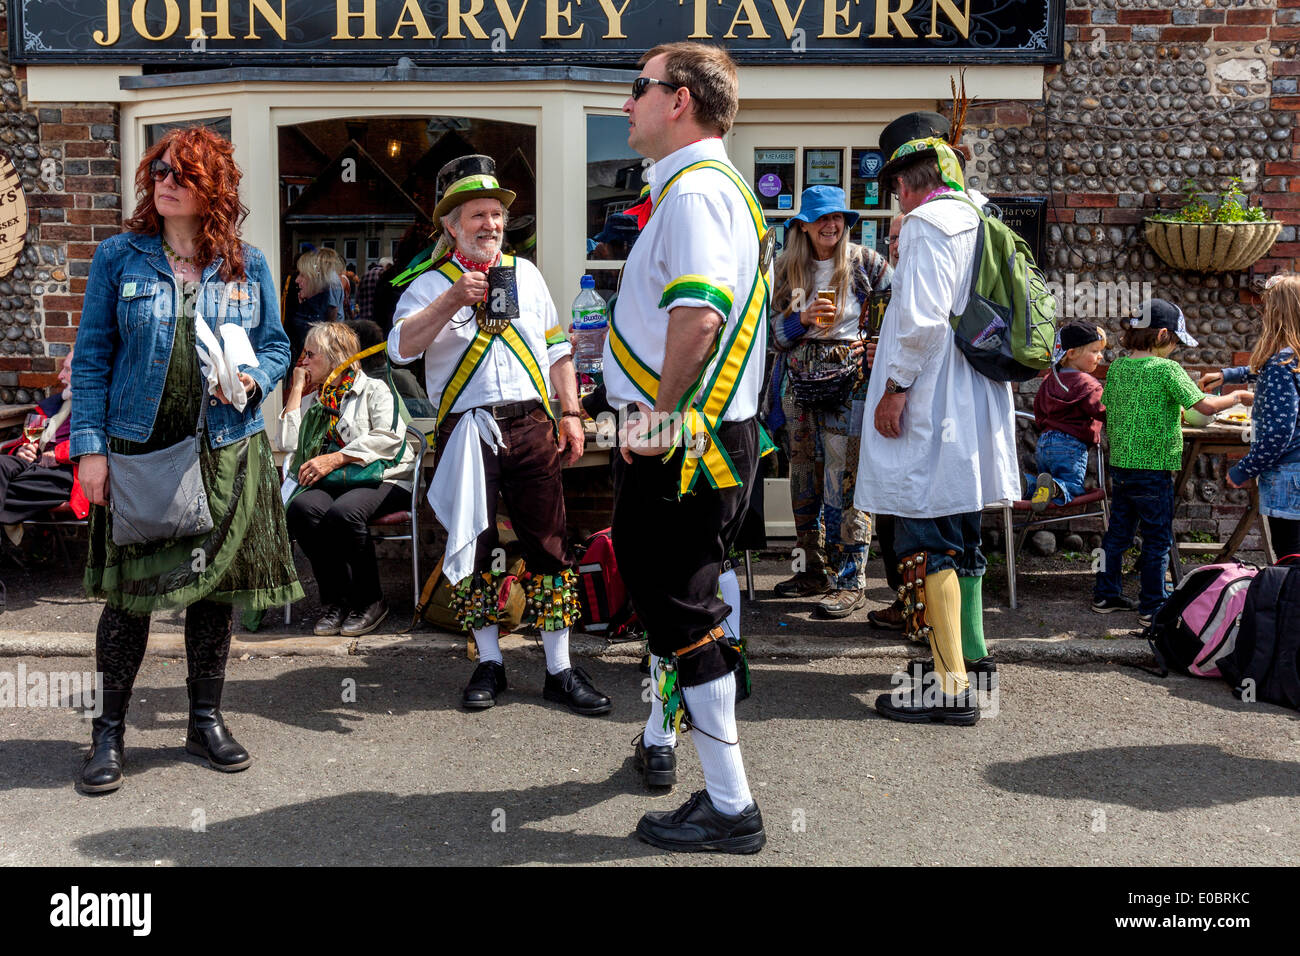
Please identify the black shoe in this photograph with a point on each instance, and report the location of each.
(644, 666)
(657, 763)
(982, 674)
(804, 584)
(925, 703)
(572, 687)
(102, 771)
(488, 680)
(363, 622)
(207, 735)
(331, 619)
(698, 825)
(1106, 605)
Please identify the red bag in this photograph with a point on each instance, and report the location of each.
(606, 610)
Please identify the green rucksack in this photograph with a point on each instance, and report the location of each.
(1008, 330)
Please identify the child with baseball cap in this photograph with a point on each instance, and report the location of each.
(1145, 395)
(1069, 414)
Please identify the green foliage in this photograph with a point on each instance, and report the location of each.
(1233, 206)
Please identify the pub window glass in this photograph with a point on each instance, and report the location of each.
(350, 251)
(156, 131)
(372, 250)
(614, 181)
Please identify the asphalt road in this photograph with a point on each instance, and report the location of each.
(1081, 765)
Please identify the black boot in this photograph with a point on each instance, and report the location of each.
(102, 771)
(207, 735)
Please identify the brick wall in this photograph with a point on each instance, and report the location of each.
(1152, 93)
(68, 158)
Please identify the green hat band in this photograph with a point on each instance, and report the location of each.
(949, 167)
(474, 184)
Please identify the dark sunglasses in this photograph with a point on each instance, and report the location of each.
(643, 83)
(160, 171)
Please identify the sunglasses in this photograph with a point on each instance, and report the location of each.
(643, 83)
(160, 171)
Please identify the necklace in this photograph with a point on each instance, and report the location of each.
(180, 259)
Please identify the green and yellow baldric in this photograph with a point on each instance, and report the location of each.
(704, 403)
(478, 349)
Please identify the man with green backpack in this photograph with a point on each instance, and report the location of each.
(966, 318)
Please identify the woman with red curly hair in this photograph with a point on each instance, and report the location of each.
(140, 390)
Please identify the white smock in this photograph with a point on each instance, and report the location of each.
(957, 451)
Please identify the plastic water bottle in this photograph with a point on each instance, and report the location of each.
(590, 323)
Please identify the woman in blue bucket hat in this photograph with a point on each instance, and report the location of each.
(821, 384)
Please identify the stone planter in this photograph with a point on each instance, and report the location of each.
(1211, 246)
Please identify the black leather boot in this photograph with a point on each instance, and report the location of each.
(102, 771)
(207, 735)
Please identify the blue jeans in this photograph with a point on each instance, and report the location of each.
(1065, 458)
(1141, 498)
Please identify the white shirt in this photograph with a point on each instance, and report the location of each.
(500, 378)
(702, 228)
(847, 308)
(957, 450)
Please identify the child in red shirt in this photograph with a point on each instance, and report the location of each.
(1069, 415)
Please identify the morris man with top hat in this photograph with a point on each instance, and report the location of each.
(493, 349)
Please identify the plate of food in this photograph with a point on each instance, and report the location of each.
(1236, 415)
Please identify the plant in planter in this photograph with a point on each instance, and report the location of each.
(1227, 237)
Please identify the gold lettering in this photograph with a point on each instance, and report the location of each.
(510, 18)
(344, 17)
(412, 16)
(960, 20)
(221, 15)
(700, 24)
(142, 28)
(553, 14)
(114, 17)
(751, 19)
(469, 18)
(274, 22)
(830, 14)
(884, 16)
(788, 22)
(615, 17)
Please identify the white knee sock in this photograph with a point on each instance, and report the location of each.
(655, 735)
(488, 648)
(729, 590)
(556, 645)
(712, 707)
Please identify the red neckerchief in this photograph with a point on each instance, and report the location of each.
(469, 265)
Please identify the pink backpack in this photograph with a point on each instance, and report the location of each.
(1198, 624)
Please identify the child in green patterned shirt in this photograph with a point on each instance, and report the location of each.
(1145, 395)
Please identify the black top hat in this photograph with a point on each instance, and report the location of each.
(466, 178)
(920, 125)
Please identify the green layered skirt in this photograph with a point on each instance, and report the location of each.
(244, 560)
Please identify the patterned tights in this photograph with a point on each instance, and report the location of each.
(121, 638)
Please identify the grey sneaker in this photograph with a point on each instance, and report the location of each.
(841, 604)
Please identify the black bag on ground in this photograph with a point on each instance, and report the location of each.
(1265, 665)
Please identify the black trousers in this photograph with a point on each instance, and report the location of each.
(669, 549)
(888, 553)
(1285, 533)
(334, 533)
(27, 490)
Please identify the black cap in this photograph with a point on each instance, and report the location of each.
(1159, 314)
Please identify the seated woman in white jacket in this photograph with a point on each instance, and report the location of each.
(332, 525)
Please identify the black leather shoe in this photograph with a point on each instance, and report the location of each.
(488, 680)
(698, 825)
(657, 763)
(363, 622)
(207, 735)
(331, 619)
(925, 703)
(572, 687)
(102, 771)
(982, 674)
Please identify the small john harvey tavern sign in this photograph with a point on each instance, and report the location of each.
(13, 217)
(314, 32)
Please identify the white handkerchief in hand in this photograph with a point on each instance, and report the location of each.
(220, 360)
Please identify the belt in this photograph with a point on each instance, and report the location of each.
(511, 410)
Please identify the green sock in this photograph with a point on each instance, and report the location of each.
(972, 619)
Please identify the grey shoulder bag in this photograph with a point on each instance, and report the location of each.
(159, 496)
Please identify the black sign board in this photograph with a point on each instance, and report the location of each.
(1027, 217)
(615, 32)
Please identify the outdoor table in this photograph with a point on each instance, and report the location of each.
(11, 415)
(1217, 438)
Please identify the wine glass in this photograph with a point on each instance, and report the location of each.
(33, 426)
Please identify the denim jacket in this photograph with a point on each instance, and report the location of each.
(124, 344)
